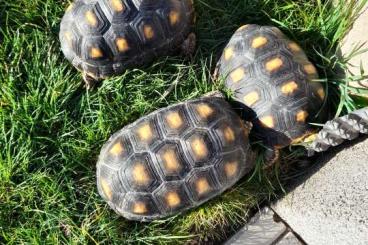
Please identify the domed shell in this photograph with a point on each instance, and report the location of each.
(174, 159)
(105, 37)
(274, 82)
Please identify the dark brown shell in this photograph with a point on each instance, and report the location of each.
(105, 37)
(273, 81)
(174, 159)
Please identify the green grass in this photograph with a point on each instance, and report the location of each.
(51, 129)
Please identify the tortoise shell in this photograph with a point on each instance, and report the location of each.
(104, 37)
(174, 159)
(274, 82)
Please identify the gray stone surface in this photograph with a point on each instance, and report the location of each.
(330, 205)
(261, 230)
(358, 35)
(289, 239)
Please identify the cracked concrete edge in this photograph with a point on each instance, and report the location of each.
(264, 228)
(329, 205)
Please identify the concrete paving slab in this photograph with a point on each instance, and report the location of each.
(358, 35)
(330, 204)
(289, 239)
(261, 230)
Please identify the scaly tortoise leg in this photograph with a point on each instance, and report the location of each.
(89, 80)
(188, 47)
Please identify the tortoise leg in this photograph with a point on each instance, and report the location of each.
(272, 155)
(89, 81)
(189, 45)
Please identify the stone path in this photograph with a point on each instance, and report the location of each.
(328, 205)
(265, 228)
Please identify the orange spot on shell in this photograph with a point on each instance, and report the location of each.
(96, 53)
(174, 17)
(202, 186)
(122, 44)
(145, 133)
(140, 175)
(229, 134)
(274, 64)
(237, 75)
(259, 42)
(173, 199)
(251, 98)
(321, 93)
(231, 168)
(310, 69)
(91, 18)
(139, 208)
(171, 162)
(228, 53)
(199, 148)
(106, 189)
(117, 5)
(268, 121)
(117, 149)
(148, 31)
(204, 110)
(289, 87)
(301, 116)
(174, 120)
(294, 47)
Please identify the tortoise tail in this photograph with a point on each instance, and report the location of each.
(336, 131)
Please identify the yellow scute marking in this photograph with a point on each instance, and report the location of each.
(122, 44)
(310, 69)
(140, 175)
(69, 38)
(106, 189)
(139, 208)
(289, 87)
(91, 18)
(231, 168)
(174, 17)
(172, 199)
(199, 148)
(237, 75)
(174, 120)
(294, 47)
(202, 186)
(145, 132)
(117, 149)
(70, 7)
(148, 31)
(274, 64)
(259, 42)
(117, 5)
(171, 162)
(96, 53)
(228, 53)
(251, 98)
(301, 116)
(268, 121)
(242, 27)
(321, 93)
(204, 110)
(229, 134)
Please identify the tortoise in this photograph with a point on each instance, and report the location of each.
(174, 159)
(103, 38)
(275, 85)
